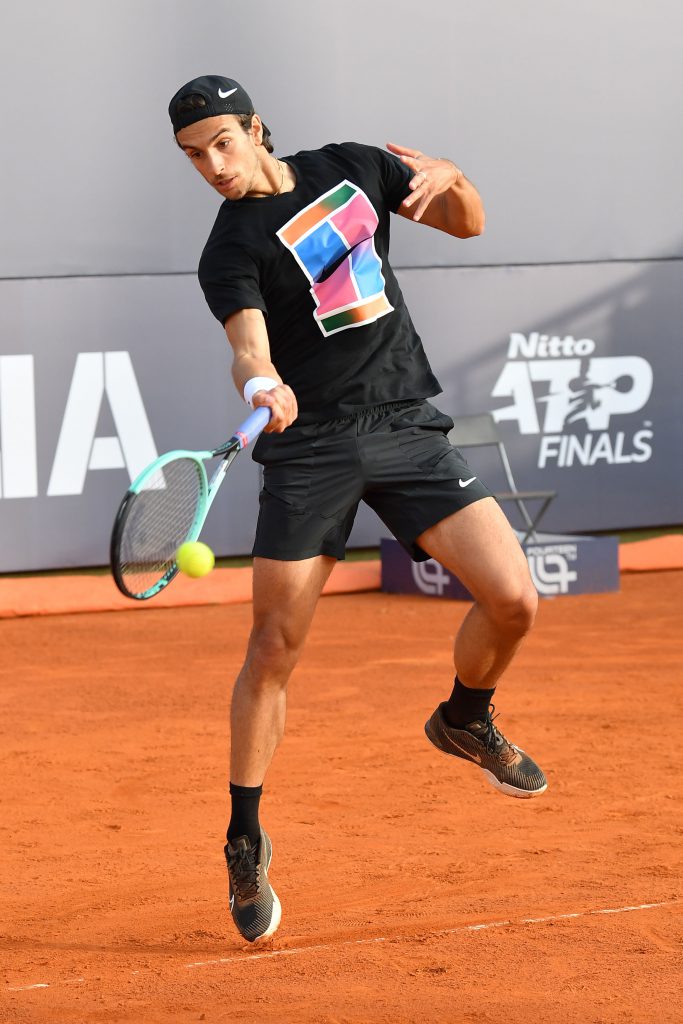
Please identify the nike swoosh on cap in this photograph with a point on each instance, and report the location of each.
(224, 95)
(466, 483)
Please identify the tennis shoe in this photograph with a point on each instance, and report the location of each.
(506, 766)
(254, 906)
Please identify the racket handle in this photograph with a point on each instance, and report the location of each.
(253, 425)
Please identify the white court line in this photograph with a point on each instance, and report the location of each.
(27, 988)
(445, 931)
(295, 951)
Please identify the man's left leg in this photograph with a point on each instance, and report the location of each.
(478, 545)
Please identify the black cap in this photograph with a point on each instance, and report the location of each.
(208, 96)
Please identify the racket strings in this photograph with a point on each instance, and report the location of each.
(159, 520)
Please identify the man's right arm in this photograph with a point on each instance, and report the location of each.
(248, 337)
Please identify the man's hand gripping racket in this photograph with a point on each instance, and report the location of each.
(167, 505)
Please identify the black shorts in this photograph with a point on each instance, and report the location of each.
(394, 457)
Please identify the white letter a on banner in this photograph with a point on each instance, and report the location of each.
(78, 450)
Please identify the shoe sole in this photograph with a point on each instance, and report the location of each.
(502, 787)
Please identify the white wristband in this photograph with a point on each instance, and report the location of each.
(255, 384)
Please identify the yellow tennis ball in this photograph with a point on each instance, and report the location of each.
(195, 559)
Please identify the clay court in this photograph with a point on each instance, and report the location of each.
(411, 889)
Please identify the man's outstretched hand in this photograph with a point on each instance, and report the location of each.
(432, 177)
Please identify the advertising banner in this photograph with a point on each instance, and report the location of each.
(98, 377)
(581, 367)
(559, 565)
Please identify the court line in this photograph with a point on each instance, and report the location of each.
(376, 940)
(43, 984)
(432, 934)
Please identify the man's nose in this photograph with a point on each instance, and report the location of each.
(216, 165)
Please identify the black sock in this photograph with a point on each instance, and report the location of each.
(466, 705)
(244, 817)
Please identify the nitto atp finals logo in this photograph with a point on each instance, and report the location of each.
(561, 390)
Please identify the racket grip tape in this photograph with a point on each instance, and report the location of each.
(252, 426)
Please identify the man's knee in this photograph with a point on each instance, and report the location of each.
(272, 655)
(513, 608)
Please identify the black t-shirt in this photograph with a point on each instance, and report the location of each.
(315, 261)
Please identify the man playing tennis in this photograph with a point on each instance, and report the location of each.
(296, 269)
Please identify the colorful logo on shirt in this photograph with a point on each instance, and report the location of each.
(342, 221)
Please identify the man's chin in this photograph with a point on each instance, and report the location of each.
(229, 190)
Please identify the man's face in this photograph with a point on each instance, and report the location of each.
(223, 153)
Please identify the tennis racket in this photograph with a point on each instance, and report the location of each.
(166, 505)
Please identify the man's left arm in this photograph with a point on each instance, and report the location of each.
(441, 196)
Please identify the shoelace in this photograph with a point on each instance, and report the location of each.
(245, 873)
(494, 741)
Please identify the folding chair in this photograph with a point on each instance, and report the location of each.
(480, 431)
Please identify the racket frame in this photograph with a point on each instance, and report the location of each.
(245, 433)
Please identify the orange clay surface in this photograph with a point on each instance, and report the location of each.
(411, 890)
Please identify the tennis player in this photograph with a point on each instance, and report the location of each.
(296, 269)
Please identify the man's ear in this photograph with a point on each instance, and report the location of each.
(257, 129)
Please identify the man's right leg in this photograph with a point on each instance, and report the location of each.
(285, 598)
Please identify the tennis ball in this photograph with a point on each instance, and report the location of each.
(195, 559)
